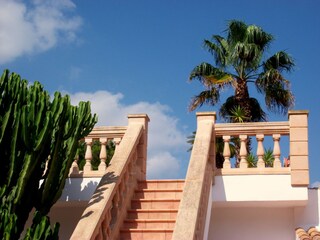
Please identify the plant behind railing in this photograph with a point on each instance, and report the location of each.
(96, 151)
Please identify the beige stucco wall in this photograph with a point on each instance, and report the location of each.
(252, 223)
(68, 216)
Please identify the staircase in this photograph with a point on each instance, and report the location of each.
(153, 212)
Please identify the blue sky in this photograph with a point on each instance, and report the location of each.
(135, 56)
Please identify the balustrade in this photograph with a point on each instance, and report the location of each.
(246, 135)
(109, 203)
(100, 136)
(282, 140)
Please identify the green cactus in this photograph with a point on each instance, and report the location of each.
(41, 229)
(32, 128)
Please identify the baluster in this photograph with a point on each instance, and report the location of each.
(74, 167)
(125, 182)
(129, 170)
(243, 151)
(226, 152)
(276, 151)
(100, 232)
(107, 225)
(117, 141)
(103, 155)
(260, 151)
(121, 192)
(88, 155)
(115, 207)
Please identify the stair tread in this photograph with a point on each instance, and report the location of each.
(161, 184)
(158, 190)
(152, 210)
(149, 220)
(146, 230)
(162, 180)
(156, 199)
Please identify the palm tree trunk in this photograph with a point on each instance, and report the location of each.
(243, 98)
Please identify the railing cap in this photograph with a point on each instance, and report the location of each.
(298, 112)
(206, 116)
(142, 115)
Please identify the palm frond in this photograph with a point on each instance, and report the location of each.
(247, 44)
(247, 54)
(256, 35)
(278, 99)
(219, 48)
(237, 31)
(209, 75)
(271, 82)
(210, 97)
(280, 61)
(190, 140)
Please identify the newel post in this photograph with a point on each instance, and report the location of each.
(193, 208)
(299, 158)
(143, 143)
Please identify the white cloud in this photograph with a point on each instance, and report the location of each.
(36, 27)
(162, 165)
(165, 137)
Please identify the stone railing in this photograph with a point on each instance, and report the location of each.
(193, 209)
(297, 131)
(242, 132)
(107, 207)
(102, 135)
(191, 218)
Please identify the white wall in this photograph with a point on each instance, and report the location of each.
(309, 215)
(252, 224)
(257, 190)
(79, 189)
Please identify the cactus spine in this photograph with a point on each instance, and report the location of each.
(32, 128)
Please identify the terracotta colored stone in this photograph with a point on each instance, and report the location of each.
(299, 178)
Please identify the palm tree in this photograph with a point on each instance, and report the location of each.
(239, 60)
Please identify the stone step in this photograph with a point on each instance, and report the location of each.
(161, 184)
(146, 234)
(158, 193)
(149, 224)
(155, 203)
(152, 213)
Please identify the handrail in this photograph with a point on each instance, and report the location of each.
(193, 207)
(107, 207)
(251, 129)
